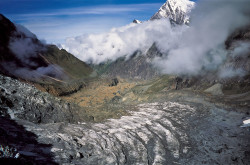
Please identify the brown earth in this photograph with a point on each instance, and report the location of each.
(100, 99)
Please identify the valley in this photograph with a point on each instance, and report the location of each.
(138, 128)
(166, 96)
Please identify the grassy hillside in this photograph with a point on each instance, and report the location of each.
(71, 65)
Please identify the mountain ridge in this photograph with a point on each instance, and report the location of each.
(25, 57)
(155, 119)
(176, 10)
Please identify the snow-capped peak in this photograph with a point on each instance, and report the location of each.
(137, 21)
(176, 10)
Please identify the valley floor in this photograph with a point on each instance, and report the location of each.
(153, 133)
(133, 123)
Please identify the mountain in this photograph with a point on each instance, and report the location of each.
(176, 10)
(153, 118)
(138, 66)
(24, 57)
(137, 21)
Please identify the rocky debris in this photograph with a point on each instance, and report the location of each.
(192, 131)
(20, 147)
(215, 90)
(116, 99)
(26, 102)
(181, 83)
(8, 152)
(23, 101)
(162, 133)
(114, 82)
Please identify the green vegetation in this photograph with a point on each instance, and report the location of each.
(71, 65)
(155, 86)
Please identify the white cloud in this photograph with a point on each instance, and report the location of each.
(186, 50)
(229, 72)
(241, 49)
(56, 25)
(26, 48)
(201, 47)
(124, 41)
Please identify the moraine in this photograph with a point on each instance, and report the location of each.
(156, 133)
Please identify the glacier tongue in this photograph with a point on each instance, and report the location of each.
(153, 133)
(176, 10)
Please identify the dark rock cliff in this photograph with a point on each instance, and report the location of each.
(24, 57)
(28, 103)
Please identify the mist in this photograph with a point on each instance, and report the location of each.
(202, 47)
(241, 49)
(187, 50)
(26, 47)
(123, 41)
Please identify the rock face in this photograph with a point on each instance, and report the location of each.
(137, 21)
(26, 102)
(176, 10)
(165, 125)
(192, 131)
(215, 90)
(24, 57)
(156, 133)
(19, 146)
(238, 43)
(138, 66)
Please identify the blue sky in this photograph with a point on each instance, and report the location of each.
(55, 20)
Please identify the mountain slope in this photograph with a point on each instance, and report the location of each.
(72, 66)
(138, 66)
(25, 57)
(176, 10)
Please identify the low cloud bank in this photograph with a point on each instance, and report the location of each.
(202, 47)
(124, 41)
(27, 48)
(186, 50)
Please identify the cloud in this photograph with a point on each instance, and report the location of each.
(56, 25)
(24, 49)
(229, 72)
(202, 45)
(124, 41)
(241, 49)
(25, 46)
(51, 70)
(186, 50)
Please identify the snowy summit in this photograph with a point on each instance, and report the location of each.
(176, 10)
(137, 21)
